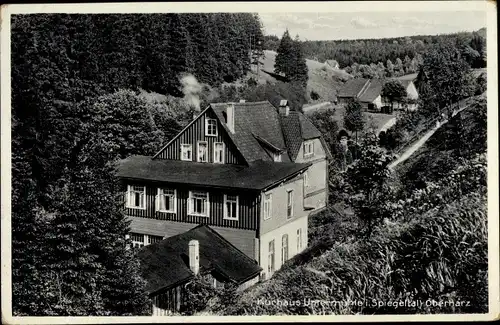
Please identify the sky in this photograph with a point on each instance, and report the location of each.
(364, 25)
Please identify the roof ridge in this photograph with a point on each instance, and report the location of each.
(364, 88)
(243, 104)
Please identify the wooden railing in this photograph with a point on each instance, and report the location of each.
(430, 123)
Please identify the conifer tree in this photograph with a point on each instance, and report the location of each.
(298, 66)
(284, 55)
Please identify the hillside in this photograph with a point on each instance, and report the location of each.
(323, 80)
(433, 246)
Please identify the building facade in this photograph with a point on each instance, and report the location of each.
(368, 92)
(252, 172)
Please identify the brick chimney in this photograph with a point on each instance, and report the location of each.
(194, 256)
(230, 117)
(284, 109)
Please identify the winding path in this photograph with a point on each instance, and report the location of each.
(418, 144)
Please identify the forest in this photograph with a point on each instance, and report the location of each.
(392, 56)
(76, 109)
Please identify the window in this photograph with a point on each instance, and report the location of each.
(299, 239)
(284, 249)
(210, 127)
(198, 203)
(268, 199)
(289, 203)
(230, 207)
(154, 239)
(219, 152)
(277, 157)
(136, 197)
(308, 148)
(202, 151)
(137, 240)
(270, 261)
(166, 200)
(186, 152)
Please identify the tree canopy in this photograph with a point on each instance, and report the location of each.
(290, 60)
(394, 91)
(354, 120)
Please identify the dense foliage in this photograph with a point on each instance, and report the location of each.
(444, 79)
(354, 120)
(400, 51)
(394, 91)
(71, 122)
(273, 92)
(428, 253)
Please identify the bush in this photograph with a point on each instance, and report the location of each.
(314, 95)
(198, 291)
(252, 82)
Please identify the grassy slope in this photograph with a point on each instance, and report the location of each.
(337, 260)
(322, 79)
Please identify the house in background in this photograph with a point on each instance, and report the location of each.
(366, 91)
(252, 172)
(333, 63)
(412, 94)
(170, 263)
(369, 93)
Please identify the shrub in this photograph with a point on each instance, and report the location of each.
(314, 95)
(198, 291)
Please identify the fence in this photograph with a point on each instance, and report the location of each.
(430, 123)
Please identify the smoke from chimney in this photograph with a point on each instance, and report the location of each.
(191, 90)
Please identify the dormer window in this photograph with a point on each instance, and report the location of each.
(210, 127)
(186, 152)
(308, 149)
(277, 157)
(202, 151)
(219, 152)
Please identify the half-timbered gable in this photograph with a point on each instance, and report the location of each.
(203, 140)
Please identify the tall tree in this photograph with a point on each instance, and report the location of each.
(284, 55)
(399, 67)
(298, 64)
(448, 78)
(390, 68)
(354, 120)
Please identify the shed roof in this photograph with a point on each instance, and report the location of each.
(352, 87)
(165, 264)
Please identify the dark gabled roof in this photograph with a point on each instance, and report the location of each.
(292, 132)
(165, 264)
(372, 91)
(352, 87)
(257, 176)
(309, 131)
(297, 128)
(243, 239)
(253, 118)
